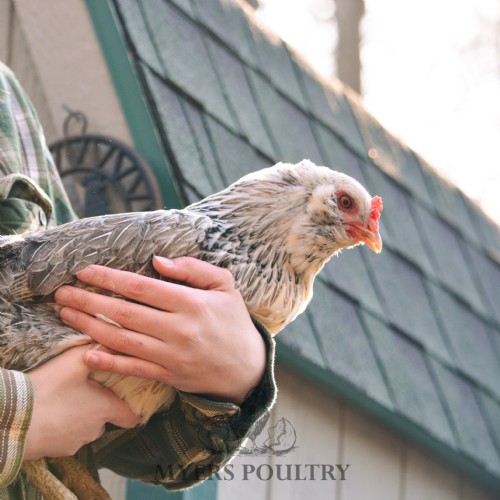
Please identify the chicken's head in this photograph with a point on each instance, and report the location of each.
(277, 227)
(305, 211)
(359, 214)
(337, 211)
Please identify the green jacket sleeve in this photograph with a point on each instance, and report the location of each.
(190, 441)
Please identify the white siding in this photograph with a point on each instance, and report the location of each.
(5, 13)
(428, 478)
(114, 484)
(375, 458)
(383, 465)
(318, 435)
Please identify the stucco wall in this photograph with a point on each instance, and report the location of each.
(52, 48)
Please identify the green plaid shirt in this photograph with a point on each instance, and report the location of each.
(177, 448)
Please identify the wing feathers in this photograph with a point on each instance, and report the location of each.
(125, 241)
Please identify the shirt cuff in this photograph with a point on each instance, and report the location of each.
(16, 408)
(256, 404)
(24, 207)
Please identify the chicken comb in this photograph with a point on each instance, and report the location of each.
(377, 207)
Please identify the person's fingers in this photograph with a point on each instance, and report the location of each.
(131, 315)
(195, 272)
(157, 293)
(115, 337)
(118, 412)
(73, 357)
(153, 292)
(127, 365)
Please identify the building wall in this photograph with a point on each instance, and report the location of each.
(52, 48)
(382, 465)
(330, 432)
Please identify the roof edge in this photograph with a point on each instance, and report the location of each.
(135, 108)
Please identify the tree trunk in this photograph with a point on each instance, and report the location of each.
(253, 3)
(349, 14)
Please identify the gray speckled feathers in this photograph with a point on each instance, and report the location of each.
(32, 268)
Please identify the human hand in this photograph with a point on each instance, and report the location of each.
(198, 338)
(70, 410)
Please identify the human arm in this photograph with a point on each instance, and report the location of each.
(196, 435)
(32, 195)
(26, 204)
(53, 410)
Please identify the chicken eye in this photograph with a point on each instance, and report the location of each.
(346, 202)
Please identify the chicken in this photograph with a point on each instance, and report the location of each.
(274, 229)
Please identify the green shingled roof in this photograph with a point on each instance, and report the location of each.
(413, 335)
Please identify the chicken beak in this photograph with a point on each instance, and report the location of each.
(368, 235)
(372, 240)
(371, 237)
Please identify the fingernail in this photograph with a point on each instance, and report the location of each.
(92, 359)
(85, 273)
(163, 260)
(68, 315)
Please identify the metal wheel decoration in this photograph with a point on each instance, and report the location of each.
(101, 174)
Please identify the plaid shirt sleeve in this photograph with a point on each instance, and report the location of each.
(32, 195)
(31, 198)
(177, 448)
(16, 402)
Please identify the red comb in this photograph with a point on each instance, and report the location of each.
(377, 207)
